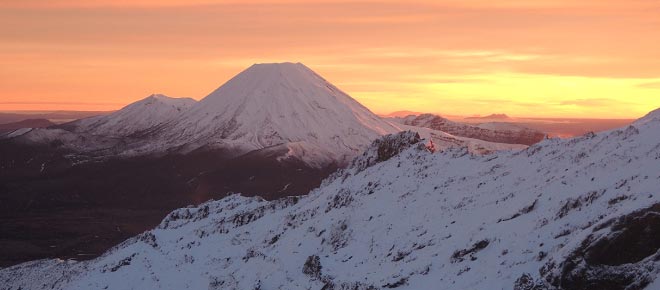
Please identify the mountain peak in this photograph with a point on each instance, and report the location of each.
(158, 97)
(135, 117)
(278, 64)
(276, 70)
(286, 80)
(278, 103)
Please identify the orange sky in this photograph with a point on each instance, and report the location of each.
(524, 58)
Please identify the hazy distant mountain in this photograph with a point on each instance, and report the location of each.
(28, 123)
(401, 114)
(564, 214)
(492, 117)
(53, 116)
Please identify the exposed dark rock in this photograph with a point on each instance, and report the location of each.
(527, 282)
(459, 255)
(572, 204)
(384, 148)
(312, 266)
(633, 238)
(342, 199)
(148, 238)
(331, 285)
(339, 235)
(625, 258)
(397, 284)
(121, 263)
(522, 211)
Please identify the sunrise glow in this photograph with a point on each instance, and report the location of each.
(595, 59)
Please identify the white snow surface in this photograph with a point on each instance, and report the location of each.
(398, 222)
(142, 115)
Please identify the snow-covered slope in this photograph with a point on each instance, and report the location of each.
(115, 134)
(142, 115)
(491, 132)
(653, 116)
(579, 213)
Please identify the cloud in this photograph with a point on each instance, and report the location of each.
(590, 102)
(651, 85)
(458, 81)
(60, 103)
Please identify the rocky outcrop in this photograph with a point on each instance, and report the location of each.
(381, 150)
(312, 266)
(384, 148)
(621, 254)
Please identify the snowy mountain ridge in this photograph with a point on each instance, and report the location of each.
(136, 117)
(267, 107)
(491, 132)
(547, 217)
(653, 116)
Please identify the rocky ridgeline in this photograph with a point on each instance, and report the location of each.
(518, 136)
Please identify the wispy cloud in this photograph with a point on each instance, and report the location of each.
(596, 102)
(60, 103)
(650, 85)
(466, 56)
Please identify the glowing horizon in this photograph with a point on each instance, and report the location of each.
(593, 59)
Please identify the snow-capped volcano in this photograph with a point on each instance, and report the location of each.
(564, 214)
(285, 110)
(288, 107)
(139, 116)
(276, 104)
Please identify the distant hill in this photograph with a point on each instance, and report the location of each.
(53, 116)
(498, 132)
(28, 123)
(492, 117)
(401, 114)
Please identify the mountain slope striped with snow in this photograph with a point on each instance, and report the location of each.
(551, 216)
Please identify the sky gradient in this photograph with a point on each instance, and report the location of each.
(592, 59)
